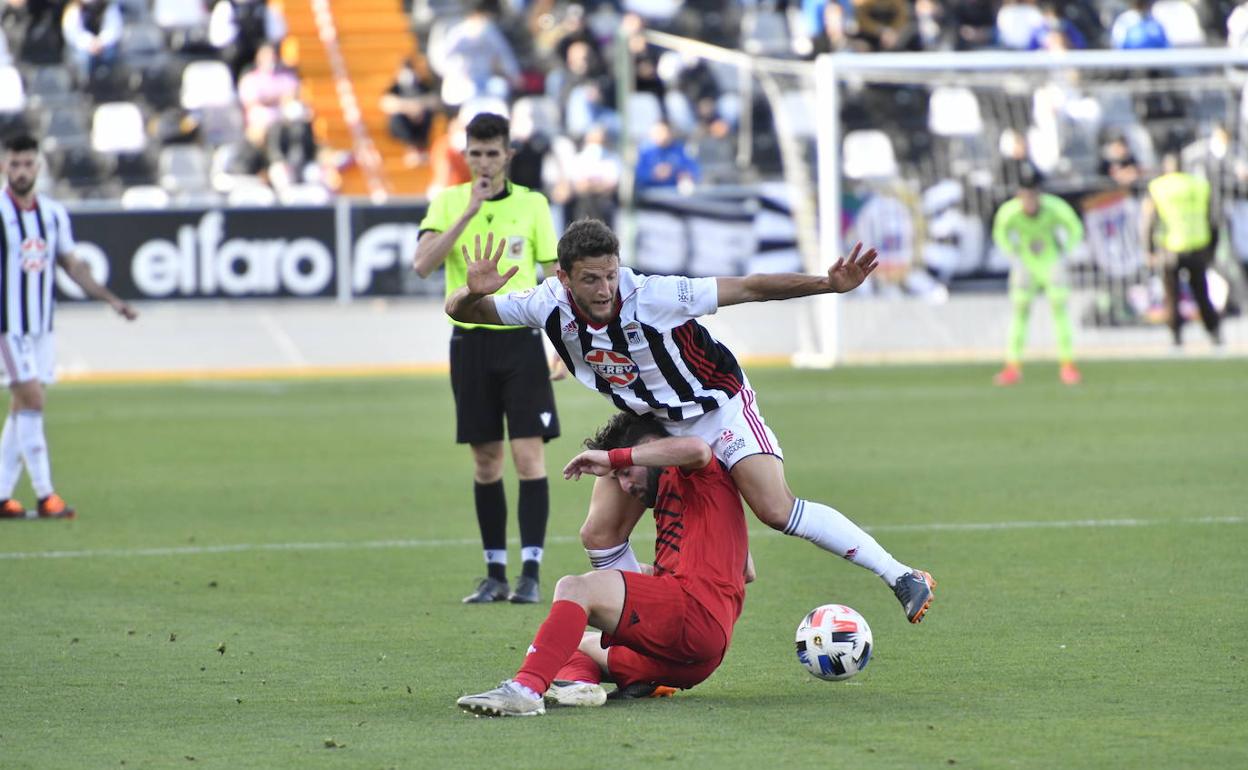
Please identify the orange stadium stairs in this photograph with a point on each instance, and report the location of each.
(374, 36)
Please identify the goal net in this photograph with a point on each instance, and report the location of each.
(913, 153)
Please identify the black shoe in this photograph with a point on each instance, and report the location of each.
(914, 591)
(488, 590)
(527, 591)
(641, 690)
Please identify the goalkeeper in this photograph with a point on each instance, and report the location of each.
(1035, 230)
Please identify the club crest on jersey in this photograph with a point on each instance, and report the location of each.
(616, 368)
(34, 254)
(632, 332)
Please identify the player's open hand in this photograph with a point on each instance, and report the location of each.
(849, 273)
(595, 462)
(483, 277)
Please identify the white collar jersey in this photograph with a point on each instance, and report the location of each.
(653, 357)
(30, 241)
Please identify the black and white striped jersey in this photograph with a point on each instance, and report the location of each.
(29, 244)
(652, 357)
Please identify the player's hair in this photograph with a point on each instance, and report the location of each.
(626, 429)
(586, 238)
(488, 125)
(21, 143)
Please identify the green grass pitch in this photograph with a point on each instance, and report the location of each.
(268, 574)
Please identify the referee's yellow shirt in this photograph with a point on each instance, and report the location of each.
(519, 215)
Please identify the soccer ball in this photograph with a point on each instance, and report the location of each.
(834, 642)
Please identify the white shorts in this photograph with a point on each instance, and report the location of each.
(735, 431)
(26, 357)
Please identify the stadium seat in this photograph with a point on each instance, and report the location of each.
(644, 111)
(542, 112)
(67, 127)
(252, 194)
(146, 196)
(954, 111)
(304, 195)
(798, 108)
(1180, 21)
(765, 32)
(221, 125)
(81, 168)
(868, 154)
(179, 14)
(142, 42)
(207, 84)
(134, 11)
(111, 84)
(135, 168)
(160, 86)
(183, 168)
(679, 112)
(12, 94)
(50, 80)
(118, 127)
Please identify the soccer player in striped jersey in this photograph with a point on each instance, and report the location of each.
(635, 339)
(35, 237)
(668, 626)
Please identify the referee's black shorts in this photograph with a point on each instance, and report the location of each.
(497, 373)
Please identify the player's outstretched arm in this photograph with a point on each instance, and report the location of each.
(474, 302)
(80, 272)
(846, 275)
(685, 452)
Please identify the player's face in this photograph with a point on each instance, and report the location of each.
(487, 158)
(21, 169)
(593, 283)
(640, 483)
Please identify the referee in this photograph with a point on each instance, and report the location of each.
(498, 371)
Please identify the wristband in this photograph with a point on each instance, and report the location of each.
(620, 458)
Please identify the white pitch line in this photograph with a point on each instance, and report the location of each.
(198, 550)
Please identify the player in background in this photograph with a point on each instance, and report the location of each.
(1186, 243)
(36, 236)
(635, 339)
(670, 627)
(1036, 230)
(498, 371)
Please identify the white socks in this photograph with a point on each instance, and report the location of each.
(10, 458)
(34, 447)
(620, 557)
(531, 553)
(829, 529)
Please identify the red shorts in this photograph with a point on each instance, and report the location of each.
(664, 635)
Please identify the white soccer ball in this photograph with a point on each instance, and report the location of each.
(834, 642)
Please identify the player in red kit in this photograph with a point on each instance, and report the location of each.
(669, 627)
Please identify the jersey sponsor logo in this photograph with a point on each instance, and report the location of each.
(733, 448)
(515, 245)
(632, 332)
(34, 254)
(616, 368)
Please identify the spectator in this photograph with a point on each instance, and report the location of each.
(478, 60)
(92, 28)
(1237, 27)
(264, 89)
(410, 104)
(1056, 32)
(931, 25)
(975, 23)
(5, 58)
(34, 29)
(1135, 28)
(291, 149)
(1015, 22)
(882, 25)
(664, 161)
(238, 28)
(595, 178)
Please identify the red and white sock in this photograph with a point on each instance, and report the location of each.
(554, 644)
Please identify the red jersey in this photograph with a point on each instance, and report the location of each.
(701, 538)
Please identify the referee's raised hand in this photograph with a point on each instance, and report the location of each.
(483, 277)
